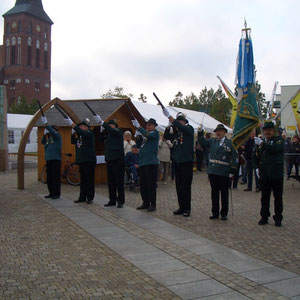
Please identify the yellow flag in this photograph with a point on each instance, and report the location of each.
(296, 110)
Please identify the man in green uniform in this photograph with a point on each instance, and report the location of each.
(268, 161)
(52, 144)
(114, 157)
(221, 167)
(148, 163)
(183, 155)
(86, 159)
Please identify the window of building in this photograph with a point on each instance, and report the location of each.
(7, 52)
(12, 84)
(37, 54)
(29, 50)
(13, 51)
(27, 81)
(18, 80)
(8, 28)
(5, 81)
(19, 54)
(47, 85)
(19, 26)
(37, 86)
(30, 27)
(11, 137)
(46, 56)
(28, 140)
(46, 33)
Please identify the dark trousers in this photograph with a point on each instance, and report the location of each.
(53, 176)
(87, 180)
(200, 157)
(249, 170)
(267, 186)
(236, 177)
(115, 177)
(219, 184)
(183, 180)
(135, 173)
(148, 177)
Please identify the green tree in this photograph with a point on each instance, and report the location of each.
(142, 98)
(116, 92)
(24, 108)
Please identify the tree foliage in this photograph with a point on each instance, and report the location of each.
(24, 108)
(214, 103)
(142, 98)
(116, 92)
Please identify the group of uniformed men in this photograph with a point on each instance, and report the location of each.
(268, 163)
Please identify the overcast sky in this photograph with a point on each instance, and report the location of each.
(166, 46)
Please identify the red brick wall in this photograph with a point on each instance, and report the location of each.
(25, 75)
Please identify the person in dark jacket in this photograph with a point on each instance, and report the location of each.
(86, 159)
(115, 159)
(132, 162)
(221, 168)
(148, 163)
(268, 164)
(184, 160)
(52, 144)
(287, 144)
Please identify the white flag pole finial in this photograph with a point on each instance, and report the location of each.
(245, 23)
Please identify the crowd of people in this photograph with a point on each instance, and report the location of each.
(152, 157)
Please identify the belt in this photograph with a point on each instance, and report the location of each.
(219, 162)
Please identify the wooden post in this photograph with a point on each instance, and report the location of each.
(3, 130)
(28, 129)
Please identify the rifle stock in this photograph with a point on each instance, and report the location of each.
(159, 102)
(41, 108)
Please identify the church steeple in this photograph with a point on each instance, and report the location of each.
(32, 7)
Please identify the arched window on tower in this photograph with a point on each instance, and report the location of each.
(46, 33)
(46, 56)
(19, 26)
(7, 52)
(13, 51)
(29, 51)
(37, 54)
(19, 56)
(8, 28)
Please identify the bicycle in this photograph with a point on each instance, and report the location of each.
(70, 172)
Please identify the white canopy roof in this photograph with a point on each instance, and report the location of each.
(195, 118)
(18, 120)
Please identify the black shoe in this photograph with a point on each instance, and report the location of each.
(79, 200)
(186, 213)
(257, 190)
(224, 218)
(109, 203)
(120, 205)
(55, 197)
(178, 212)
(263, 221)
(277, 221)
(214, 217)
(89, 201)
(151, 208)
(48, 196)
(143, 206)
(247, 190)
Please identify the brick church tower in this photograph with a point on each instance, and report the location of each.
(25, 56)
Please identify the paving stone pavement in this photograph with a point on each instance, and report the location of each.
(196, 265)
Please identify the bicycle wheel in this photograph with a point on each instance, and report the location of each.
(72, 174)
(44, 175)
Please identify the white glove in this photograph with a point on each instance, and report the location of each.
(101, 129)
(231, 175)
(44, 120)
(200, 128)
(257, 141)
(135, 123)
(69, 121)
(137, 133)
(73, 131)
(166, 113)
(98, 119)
(257, 173)
(46, 131)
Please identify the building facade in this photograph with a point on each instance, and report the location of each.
(25, 56)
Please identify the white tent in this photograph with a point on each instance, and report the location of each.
(195, 118)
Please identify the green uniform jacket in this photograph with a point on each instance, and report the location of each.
(149, 148)
(114, 144)
(85, 146)
(223, 159)
(184, 143)
(52, 145)
(269, 157)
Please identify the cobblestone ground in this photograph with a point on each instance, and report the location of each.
(47, 256)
